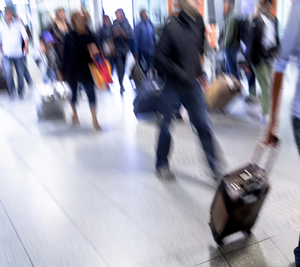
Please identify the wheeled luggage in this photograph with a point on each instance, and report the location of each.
(148, 94)
(51, 99)
(137, 75)
(240, 196)
(222, 90)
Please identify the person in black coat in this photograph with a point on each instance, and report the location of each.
(263, 49)
(105, 38)
(80, 45)
(59, 29)
(177, 60)
(124, 41)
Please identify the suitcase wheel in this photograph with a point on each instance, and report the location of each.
(219, 242)
(248, 232)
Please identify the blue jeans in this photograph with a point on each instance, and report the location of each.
(231, 61)
(27, 75)
(296, 126)
(7, 68)
(192, 99)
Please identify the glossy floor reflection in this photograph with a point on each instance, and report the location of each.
(74, 197)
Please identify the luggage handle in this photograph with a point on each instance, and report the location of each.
(269, 151)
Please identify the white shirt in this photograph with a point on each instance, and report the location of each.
(269, 34)
(11, 38)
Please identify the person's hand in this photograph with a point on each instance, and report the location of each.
(246, 69)
(93, 49)
(203, 82)
(59, 76)
(123, 34)
(136, 57)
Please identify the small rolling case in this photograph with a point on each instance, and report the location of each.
(241, 194)
(222, 90)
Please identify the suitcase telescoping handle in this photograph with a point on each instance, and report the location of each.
(265, 155)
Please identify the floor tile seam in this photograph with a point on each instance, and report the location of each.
(247, 246)
(280, 251)
(80, 231)
(208, 261)
(17, 234)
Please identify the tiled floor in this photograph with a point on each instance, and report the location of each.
(72, 197)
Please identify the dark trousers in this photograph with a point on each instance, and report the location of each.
(193, 101)
(89, 89)
(120, 65)
(296, 126)
(231, 61)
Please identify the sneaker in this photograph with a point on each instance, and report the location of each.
(164, 173)
(177, 116)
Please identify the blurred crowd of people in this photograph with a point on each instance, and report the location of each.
(66, 49)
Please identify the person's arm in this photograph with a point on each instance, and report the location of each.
(163, 61)
(289, 42)
(137, 33)
(25, 38)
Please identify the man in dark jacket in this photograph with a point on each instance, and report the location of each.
(144, 34)
(264, 45)
(177, 59)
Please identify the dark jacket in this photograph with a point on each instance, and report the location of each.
(105, 33)
(177, 53)
(257, 51)
(144, 34)
(76, 57)
(123, 45)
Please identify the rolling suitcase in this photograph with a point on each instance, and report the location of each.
(137, 75)
(240, 196)
(48, 107)
(222, 90)
(147, 99)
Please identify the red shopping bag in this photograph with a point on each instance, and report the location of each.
(103, 67)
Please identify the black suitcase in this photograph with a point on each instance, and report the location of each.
(240, 196)
(148, 96)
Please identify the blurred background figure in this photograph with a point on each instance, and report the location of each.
(181, 37)
(231, 38)
(263, 48)
(13, 32)
(80, 45)
(59, 29)
(48, 61)
(106, 41)
(27, 75)
(145, 42)
(88, 17)
(124, 41)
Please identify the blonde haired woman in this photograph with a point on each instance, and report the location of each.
(80, 46)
